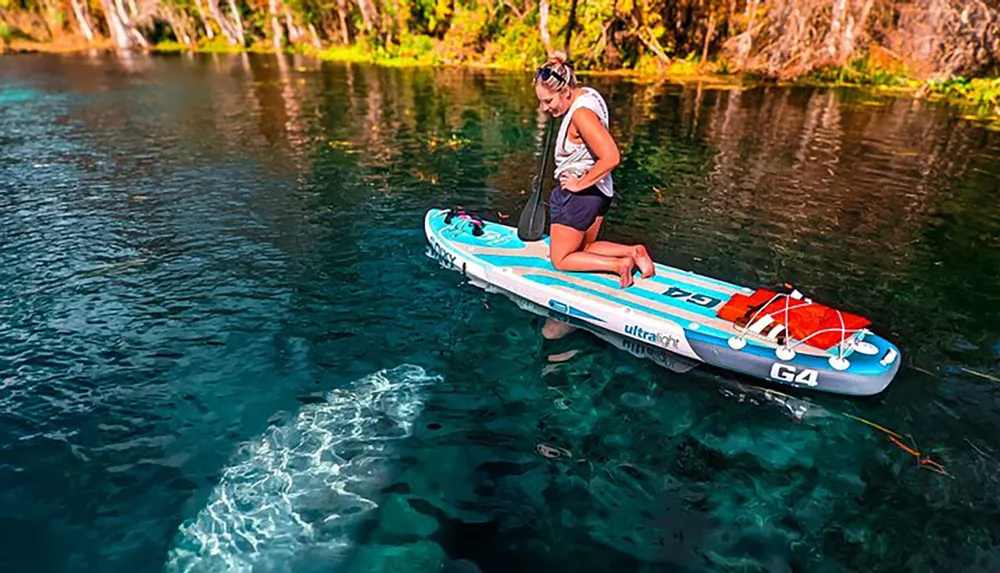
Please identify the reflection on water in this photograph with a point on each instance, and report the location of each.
(193, 246)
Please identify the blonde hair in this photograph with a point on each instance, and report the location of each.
(556, 73)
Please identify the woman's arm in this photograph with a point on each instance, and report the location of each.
(602, 145)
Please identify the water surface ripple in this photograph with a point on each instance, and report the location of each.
(213, 269)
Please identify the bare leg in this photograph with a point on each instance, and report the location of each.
(566, 255)
(609, 249)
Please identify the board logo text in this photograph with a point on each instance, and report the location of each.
(693, 298)
(442, 255)
(789, 373)
(664, 340)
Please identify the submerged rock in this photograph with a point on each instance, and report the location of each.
(399, 518)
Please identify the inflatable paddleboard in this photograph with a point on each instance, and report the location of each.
(687, 314)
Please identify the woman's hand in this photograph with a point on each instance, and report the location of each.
(570, 183)
(601, 144)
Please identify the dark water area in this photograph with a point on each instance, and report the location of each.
(223, 346)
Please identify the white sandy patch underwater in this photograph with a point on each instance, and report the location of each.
(292, 499)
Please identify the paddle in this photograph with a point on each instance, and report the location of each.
(531, 225)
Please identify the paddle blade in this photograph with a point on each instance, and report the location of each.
(531, 225)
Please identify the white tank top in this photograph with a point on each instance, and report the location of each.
(576, 158)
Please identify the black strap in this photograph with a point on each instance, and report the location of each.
(476, 222)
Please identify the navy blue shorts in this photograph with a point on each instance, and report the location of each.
(577, 210)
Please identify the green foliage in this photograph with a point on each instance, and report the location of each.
(518, 46)
(463, 41)
(353, 53)
(218, 45)
(412, 50)
(983, 92)
(415, 47)
(10, 32)
(980, 96)
(860, 72)
(646, 37)
(687, 66)
(170, 46)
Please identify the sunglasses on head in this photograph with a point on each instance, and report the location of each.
(546, 73)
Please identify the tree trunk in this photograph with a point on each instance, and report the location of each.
(295, 33)
(224, 25)
(209, 32)
(117, 29)
(366, 18)
(543, 25)
(277, 32)
(708, 39)
(127, 16)
(51, 14)
(384, 24)
(345, 35)
(833, 35)
(237, 23)
(139, 38)
(729, 18)
(121, 26)
(569, 25)
(179, 23)
(652, 43)
(315, 37)
(400, 18)
(854, 29)
(82, 13)
(745, 40)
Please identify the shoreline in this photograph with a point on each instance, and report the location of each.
(351, 54)
(965, 105)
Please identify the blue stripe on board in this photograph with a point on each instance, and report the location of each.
(539, 263)
(543, 263)
(555, 281)
(712, 335)
(512, 242)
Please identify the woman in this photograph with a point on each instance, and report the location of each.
(585, 154)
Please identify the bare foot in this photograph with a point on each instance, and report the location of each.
(644, 262)
(554, 329)
(624, 270)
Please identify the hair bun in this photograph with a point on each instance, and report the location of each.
(557, 57)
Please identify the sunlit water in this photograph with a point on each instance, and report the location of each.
(222, 344)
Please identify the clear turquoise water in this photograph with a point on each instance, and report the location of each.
(219, 328)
